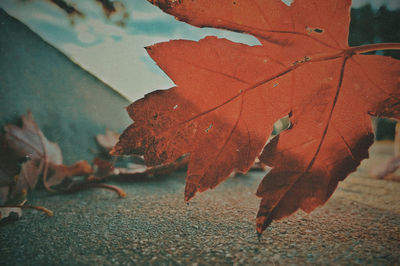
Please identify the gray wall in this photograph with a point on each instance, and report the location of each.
(69, 104)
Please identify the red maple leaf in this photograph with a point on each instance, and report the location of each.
(228, 96)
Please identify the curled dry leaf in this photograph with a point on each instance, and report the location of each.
(41, 157)
(44, 157)
(228, 96)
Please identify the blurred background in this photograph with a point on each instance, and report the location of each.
(110, 43)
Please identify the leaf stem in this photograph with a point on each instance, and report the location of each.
(373, 47)
(82, 186)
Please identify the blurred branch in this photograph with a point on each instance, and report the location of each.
(67, 8)
(109, 9)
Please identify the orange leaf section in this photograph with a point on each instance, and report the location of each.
(228, 95)
(207, 114)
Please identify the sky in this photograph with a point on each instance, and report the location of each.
(116, 54)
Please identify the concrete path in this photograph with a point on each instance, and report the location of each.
(360, 224)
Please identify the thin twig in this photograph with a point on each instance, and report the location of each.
(82, 186)
(38, 208)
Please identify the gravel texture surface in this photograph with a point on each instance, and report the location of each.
(360, 224)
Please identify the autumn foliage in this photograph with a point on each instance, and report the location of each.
(28, 160)
(228, 96)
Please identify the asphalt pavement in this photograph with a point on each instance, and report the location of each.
(153, 225)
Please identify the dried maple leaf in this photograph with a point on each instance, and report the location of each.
(45, 156)
(228, 96)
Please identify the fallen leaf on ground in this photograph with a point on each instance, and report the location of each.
(45, 156)
(228, 96)
(39, 157)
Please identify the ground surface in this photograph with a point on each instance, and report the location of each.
(360, 224)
